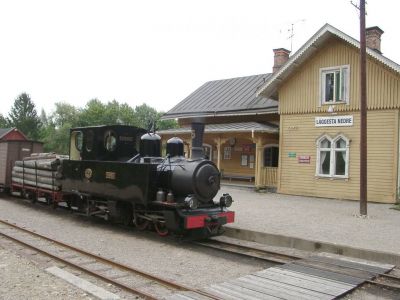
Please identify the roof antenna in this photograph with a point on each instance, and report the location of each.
(291, 32)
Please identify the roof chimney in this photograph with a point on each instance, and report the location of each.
(281, 56)
(373, 38)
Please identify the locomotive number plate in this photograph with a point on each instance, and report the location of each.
(111, 175)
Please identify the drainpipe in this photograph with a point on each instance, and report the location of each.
(398, 158)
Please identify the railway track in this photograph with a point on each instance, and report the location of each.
(125, 277)
(386, 281)
(247, 251)
(109, 271)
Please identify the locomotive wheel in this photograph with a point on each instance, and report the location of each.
(141, 223)
(161, 228)
(32, 197)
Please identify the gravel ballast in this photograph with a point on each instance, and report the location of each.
(166, 257)
(22, 279)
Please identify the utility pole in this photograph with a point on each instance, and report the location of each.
(363, 113)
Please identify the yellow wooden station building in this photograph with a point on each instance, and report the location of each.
(313, 95)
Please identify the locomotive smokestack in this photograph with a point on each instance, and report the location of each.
(197, 140)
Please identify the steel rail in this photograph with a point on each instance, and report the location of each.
(384, 285)
(389, 276)
(280, 258)
(214, 245)
(160, 280)
(88, 271)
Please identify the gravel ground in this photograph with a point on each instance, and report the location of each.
(22, 279)
(319, 219)
(167, 257)
(311, 218)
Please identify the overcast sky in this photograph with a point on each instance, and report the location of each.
(158, 51)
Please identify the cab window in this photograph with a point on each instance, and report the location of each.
(110, 140)
(76, 143)
(89, 140)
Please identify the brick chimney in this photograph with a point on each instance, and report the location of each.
(373, 38)
(281, 56)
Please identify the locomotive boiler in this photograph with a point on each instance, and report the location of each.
(118, 173)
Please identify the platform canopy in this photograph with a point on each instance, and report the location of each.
(249, 127)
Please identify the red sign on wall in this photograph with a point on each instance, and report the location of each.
(247, 148)
(304, 159)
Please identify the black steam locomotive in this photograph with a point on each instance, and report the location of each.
(117, 172)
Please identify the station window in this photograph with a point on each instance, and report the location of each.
(334, 85)
(332, 156)
(227, 152)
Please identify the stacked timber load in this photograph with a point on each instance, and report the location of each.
(40, 170)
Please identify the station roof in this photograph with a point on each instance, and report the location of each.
(228, 127)
(226, 97)
(271, 85)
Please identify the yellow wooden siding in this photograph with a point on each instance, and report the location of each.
(301, 91)
(268, 177)
(232, 165)
(299, 135)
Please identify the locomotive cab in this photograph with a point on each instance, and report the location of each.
(105, 143)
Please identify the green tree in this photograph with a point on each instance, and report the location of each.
(3, 122)
(23, 115)
(166, 124)
(94, 113)
(55, 133)
(56, 139)
(146, 116)
(127, 115)
(66, 114)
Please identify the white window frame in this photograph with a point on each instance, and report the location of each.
(332, 150)
(322, 78)
(227, 153)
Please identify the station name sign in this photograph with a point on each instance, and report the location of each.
(333, 121)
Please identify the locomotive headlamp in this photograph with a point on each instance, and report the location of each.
(226, 200)
(191, 202)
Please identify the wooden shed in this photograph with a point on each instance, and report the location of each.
(14, 146)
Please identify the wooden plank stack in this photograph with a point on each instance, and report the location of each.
(40, 170)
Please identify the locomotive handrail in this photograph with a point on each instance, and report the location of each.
(133, 158)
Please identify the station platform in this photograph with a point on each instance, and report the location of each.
(315, 224)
